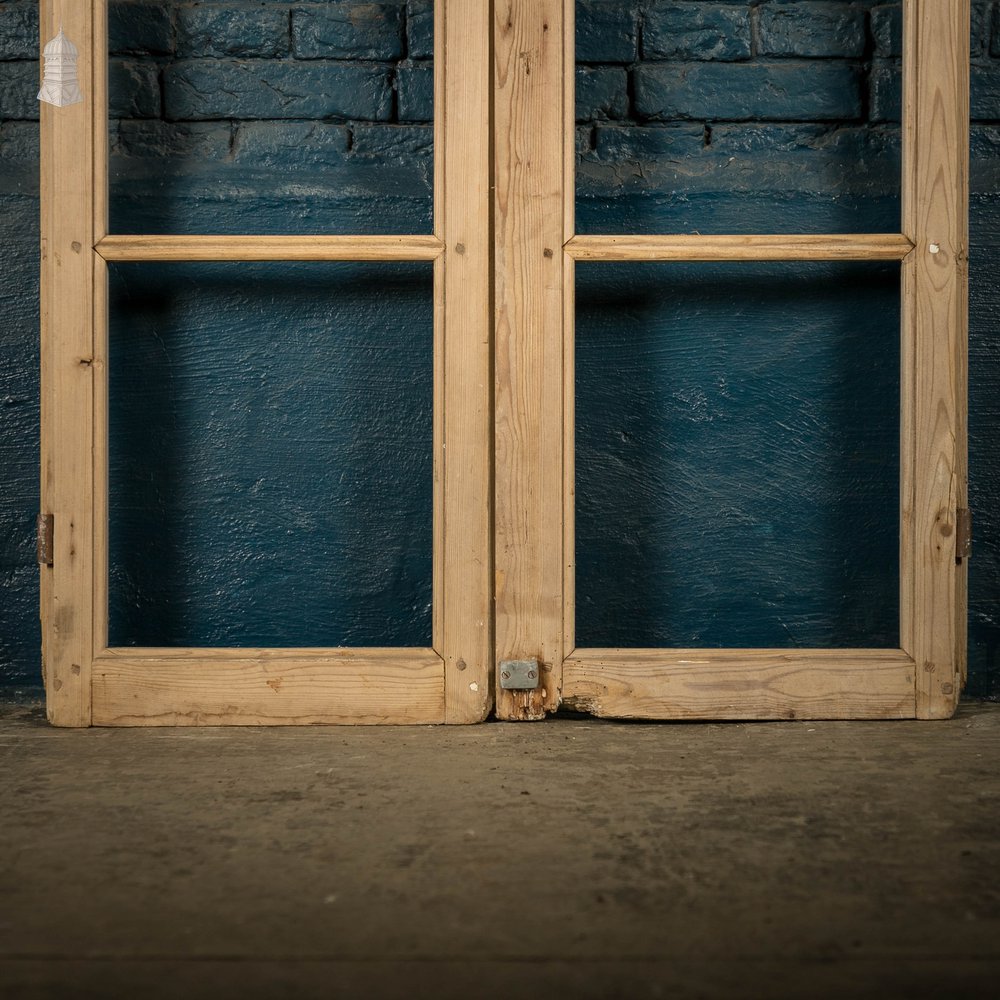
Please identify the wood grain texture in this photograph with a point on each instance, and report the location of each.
(569, 455)
(67, 187)
(463, 84)
(935, 219)
(277, 687)
(569, 332)
(740, 683)
(529, 126)
(877, 246)
(236, 248)
(101, 498)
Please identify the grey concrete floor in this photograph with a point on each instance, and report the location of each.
(571, 858)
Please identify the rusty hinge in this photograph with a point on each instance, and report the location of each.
(963, 531)
(46, 528)
(519, 675)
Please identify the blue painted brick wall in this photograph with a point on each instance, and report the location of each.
(793, 28)
(697, 31)
(273, 115)
(347, 31)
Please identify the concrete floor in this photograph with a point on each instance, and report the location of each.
(571, 858)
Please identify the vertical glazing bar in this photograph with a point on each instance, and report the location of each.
(67, 186)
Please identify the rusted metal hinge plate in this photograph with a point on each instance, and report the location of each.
(46, 529)
(963, 531)
(519, 675)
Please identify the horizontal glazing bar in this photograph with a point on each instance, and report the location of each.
(670, 658)
(267, 248)
(246, 654)
(694, 247)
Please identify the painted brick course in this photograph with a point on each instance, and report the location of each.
(601, 93)
(142, 28)
(415, 88)
(231, 30)
(19, 30)
(811, 29)
(607, 31)
(697, 31)
(420, 29)
(885, 93)
(786, 91)
(887, 30)
(215, 88)
(18, 87)
(348, 31)
(986, 91)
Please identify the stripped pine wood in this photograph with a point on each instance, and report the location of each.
(569, 119)
(569, 332)
(280, 687)
(907, 354)
(99, 630)
(529, 133)
(740, 683)
(878, 246)
(223, 686)
(935, 218)
(249, 248)
(529, 256)
(464, 461)
(569, 455)
(67, 191)
(437, 529)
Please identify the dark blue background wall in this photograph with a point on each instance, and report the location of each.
(737, 448)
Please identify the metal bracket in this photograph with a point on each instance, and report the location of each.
(519, 675)
(963, 532)
(46, 529)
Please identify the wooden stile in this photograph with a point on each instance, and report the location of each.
(463, 224)
(68, 366)
(935, 337)
(529, 134)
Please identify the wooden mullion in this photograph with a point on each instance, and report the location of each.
(67, 194)
(530, 50)
(935, 330)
